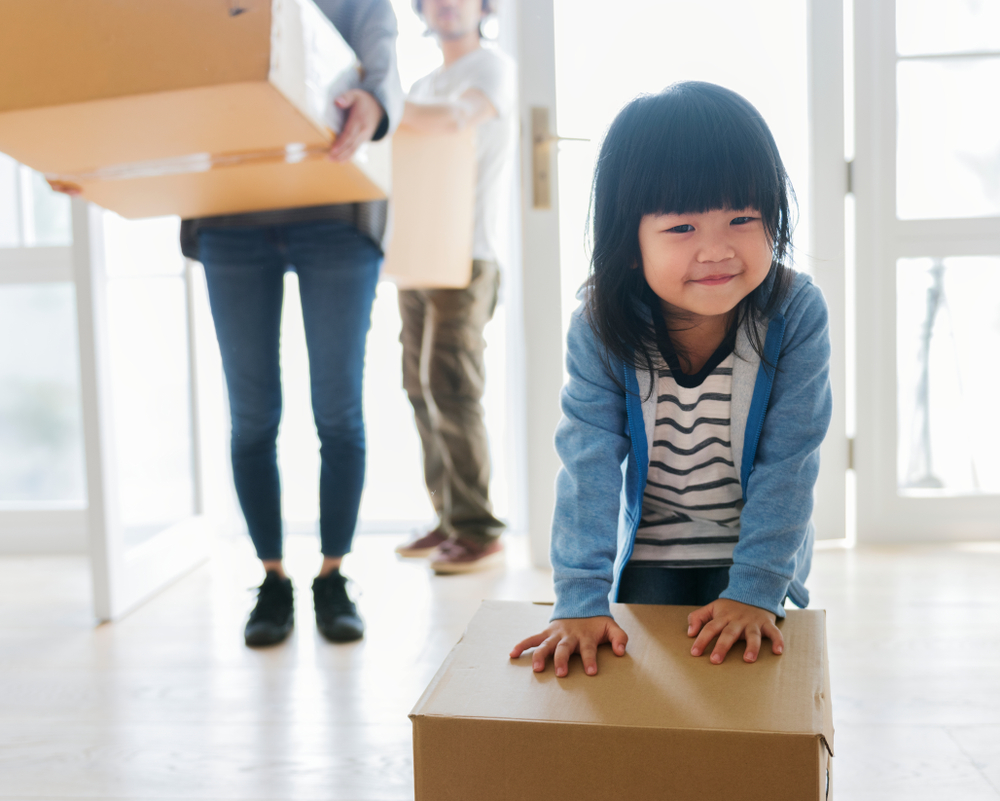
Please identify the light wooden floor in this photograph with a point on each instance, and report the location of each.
(169, 704)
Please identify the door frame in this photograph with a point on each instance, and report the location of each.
(123, 578)
(883, 514)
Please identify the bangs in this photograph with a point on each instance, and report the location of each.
(699, 162)
(696, 147)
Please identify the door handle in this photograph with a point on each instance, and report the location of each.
(542, 140)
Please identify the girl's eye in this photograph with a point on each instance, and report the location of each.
(681, 229)
(742, 220)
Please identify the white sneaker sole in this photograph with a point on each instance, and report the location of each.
(487, 562)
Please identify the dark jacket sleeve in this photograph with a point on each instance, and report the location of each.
(369, 27)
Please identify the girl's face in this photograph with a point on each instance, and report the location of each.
(702, 265)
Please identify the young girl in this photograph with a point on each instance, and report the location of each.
(698, 390)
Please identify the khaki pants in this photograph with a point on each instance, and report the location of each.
(444, 377)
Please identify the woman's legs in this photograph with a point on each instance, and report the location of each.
(338, 270)
(244, 269)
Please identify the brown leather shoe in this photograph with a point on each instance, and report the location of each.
(463, 556)
(423, 546)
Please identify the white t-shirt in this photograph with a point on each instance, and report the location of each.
(492, 73)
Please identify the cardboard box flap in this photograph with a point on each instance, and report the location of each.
(658, 684)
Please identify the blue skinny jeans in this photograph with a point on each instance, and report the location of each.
(338, 269)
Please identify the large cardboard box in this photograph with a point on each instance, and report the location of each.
(433, 210)
(656, 723)
(190, 107)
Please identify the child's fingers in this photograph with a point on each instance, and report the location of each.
(618, 639)
(752, 635)
(588, 653)
(529, 642)
(542, 653)
(698, 618)
(727, 639)
(773, 633)
(565, 648)
(707, 634)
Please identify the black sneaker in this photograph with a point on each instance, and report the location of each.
(273, 617)
(337, 617)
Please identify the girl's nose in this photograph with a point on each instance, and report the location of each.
(715, 250)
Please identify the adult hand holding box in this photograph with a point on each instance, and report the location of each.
(182, 107)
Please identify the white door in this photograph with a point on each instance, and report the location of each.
(534, 310)
(581, 60)
(139, 384)
(927, 185)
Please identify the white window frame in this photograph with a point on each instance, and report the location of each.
(883, 514)
(48, 526)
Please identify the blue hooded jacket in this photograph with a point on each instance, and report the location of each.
(778, 421)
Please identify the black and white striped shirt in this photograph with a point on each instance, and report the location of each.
(691, 507)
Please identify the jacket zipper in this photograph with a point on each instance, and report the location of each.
(631, 430)
(766, 400)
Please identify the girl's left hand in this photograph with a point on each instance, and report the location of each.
(732, 621)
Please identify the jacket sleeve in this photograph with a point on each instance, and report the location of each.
(369, 27)
(592, 443)
(775, 521)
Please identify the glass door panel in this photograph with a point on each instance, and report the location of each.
(41, 437)
(947, 334)
(948, 150)
(147, 322)
(934, 27)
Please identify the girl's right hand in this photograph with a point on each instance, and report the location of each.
(569, 636)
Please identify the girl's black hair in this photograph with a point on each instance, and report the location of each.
(692, 148)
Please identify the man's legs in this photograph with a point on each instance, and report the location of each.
(338, 271)
(451, 389)
(244, 270)
(413, 310)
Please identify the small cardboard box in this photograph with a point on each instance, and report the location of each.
(655, 723)
(433, 209)
(189, 107)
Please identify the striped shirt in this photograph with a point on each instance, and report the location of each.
(691, 506)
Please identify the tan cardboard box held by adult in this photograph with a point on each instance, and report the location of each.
(655, 723)
(189, 107)
(433, 209)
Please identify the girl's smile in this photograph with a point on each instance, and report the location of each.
(702, 265)
(715, 280)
